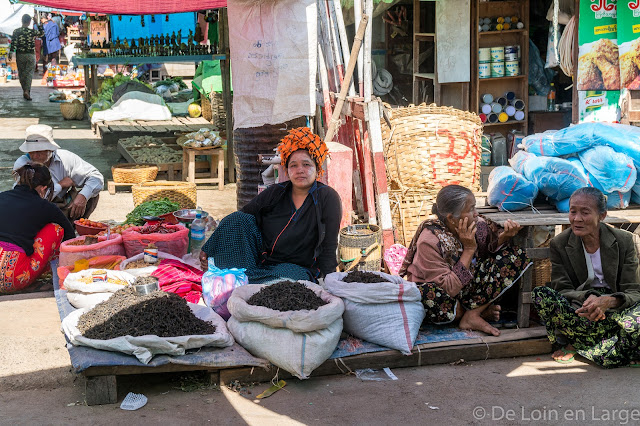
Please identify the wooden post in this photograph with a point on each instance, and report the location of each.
(524, 295)
(368, 80)
(324, 82)
(383, 205)
(101, 390)
(225, 70)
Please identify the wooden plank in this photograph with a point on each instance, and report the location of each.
(111, 186)
(524, 303)
(538, 253)
(393, 359)
(101, 390)
(127, 370)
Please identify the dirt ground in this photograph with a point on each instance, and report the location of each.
(37, 386)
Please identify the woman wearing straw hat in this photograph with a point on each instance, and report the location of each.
(68, 171)
(462, 262)
(290, 230)
(31, 228)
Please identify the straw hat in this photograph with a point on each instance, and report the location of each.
(39, 137)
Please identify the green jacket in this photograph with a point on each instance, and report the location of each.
(619, 266)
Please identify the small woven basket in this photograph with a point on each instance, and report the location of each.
(134, 173)
(217, 110)
(205, 103)
(542, 268)
(408, 210)
(183, 193)
(351, 245)
(72, 110)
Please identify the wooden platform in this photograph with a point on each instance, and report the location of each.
(112, 131)
(101, 383)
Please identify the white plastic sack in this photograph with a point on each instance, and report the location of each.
(74, 283)
(146, 347)
(86, 300)
(388, 313)
(296, 341)
(135, 106)
(273, 61)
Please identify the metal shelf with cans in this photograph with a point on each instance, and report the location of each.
(499, 74)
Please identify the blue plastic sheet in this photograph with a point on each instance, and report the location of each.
(509, 190)
(614, 171)
(518, 161)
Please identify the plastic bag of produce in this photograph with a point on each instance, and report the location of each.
(146, 347)
(510, 191)
(613, 170)
(296, 341)
(218, 284)
(174, 243)
(387, 313)
(556, 178)
(615, 201)
(71, 250)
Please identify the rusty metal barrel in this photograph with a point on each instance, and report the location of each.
(248, 144)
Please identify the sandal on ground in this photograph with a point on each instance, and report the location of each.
(567, 352)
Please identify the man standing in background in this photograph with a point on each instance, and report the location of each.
(52, 40)
(23, 43)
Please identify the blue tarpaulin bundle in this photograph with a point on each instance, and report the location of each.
(556, 178)
(509, 190)
(614, 171)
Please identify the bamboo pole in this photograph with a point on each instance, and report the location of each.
(368, 78)
(328, 48)
(336, 40)
(357, 42)
(357, 11)
(344, 43)
(324, 82)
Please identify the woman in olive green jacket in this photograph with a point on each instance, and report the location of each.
(592, 302)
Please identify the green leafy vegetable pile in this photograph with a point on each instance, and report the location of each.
(170, 81)
(105, 92)
(151, 208)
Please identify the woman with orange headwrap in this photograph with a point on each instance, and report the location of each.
(290, 230)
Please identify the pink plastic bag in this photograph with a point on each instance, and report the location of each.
(175, 243)
(70, 253)
(217, 286)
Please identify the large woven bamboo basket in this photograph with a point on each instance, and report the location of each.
(134, 173)
(409, 209)
(183, 193)
(428, 147)
(72, 110)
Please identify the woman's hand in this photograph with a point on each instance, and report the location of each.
(594, 307)
(204, 265)
(510, 230)
(467, 233)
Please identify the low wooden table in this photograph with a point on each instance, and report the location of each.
(189, 166)
(627, 218)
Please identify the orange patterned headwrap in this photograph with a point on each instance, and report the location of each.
(303, 138)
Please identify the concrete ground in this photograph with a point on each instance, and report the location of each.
(37, 386)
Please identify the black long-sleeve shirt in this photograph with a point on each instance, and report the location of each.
(307, 236)
(23, 213)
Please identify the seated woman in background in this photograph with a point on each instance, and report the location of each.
(31, 228)
(592, 304)
(290, 230)
(461, 263)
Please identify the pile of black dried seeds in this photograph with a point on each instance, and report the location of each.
(287, 296)
(128, 313)
(363, 277)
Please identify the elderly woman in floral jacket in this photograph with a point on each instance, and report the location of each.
(462, 263)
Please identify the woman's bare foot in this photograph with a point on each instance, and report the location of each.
(472, 320)
(564, 355)
(492, 313)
